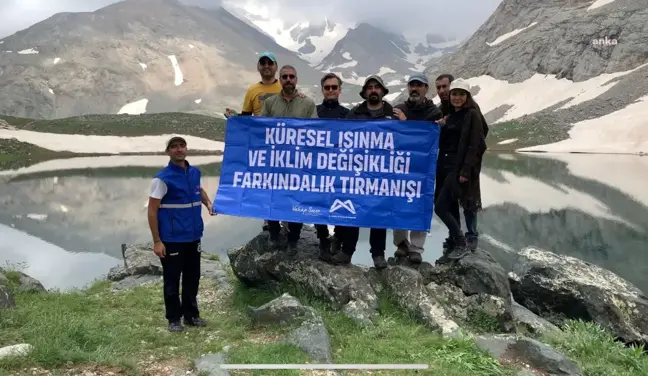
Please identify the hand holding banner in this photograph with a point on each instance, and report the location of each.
(362, 173)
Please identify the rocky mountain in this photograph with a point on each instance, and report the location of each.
(367, 50)
(558, 70)
(136, 56)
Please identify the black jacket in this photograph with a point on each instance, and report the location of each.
(361, 112)
(425, 110)
(331, 110)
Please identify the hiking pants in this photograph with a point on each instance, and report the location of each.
(294, 229)
(378, 241)
(181, 259)
(448, 195)
(471, 223)
(415, 238)
(445, 166)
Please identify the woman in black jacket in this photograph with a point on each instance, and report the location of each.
(461, 147)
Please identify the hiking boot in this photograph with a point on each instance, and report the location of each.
(266, 227)
(176, 327)
(402, 250)
(196, 321)
(415, 257)
(325, 249)
(448, 245)
(459, 251)
(336, 244)
(379, 262)
(471, 242)
(341, 258)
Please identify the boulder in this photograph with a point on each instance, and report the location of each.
(538, 357)
(209, 364)
(346, 288)
(21, 349)
(474, 288)
(6, 297)
(24, 283)
(556, 286)
(531, 323)
(308, 331)
(142, 266)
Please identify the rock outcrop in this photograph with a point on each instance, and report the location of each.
(308, 331)
(534, 356)
(557, 286)
(142, 266)
(470, 291)
(23, 282)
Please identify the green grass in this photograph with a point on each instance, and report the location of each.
(15, 154)
(126, 333)
(127, 125)
(529, 133)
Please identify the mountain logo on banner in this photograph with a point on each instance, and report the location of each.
(337, 204)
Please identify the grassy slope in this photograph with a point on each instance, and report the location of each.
(15, 154)
(125, 334)
(528, 133)
(127, 125)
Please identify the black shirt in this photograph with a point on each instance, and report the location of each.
(451, 133)
(331, 110)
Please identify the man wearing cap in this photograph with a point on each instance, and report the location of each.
(260, 91)
(417, 107)
(292, 104)
(373, 108)
(175, 221)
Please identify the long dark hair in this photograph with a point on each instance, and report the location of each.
(471, 104)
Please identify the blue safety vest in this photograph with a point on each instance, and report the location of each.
(179, 217)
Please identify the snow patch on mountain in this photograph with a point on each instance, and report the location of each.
(510, 34)
(599, 3)
(134, 108)
(539, 92)
(29, 51)
(56, 60)
(179, 79)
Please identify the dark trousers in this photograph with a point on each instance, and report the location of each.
(347, 236)
(294, 230)
(445, 167)
(471, 223)
(181, 259)
(377, 241)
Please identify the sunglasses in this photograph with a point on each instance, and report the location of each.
(330, 87)
(287, 76)
(266, 62)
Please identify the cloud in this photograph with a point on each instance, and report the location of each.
(447, 17)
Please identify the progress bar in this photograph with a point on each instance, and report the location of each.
(324, 366)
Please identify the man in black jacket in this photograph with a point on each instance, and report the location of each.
(373, 108)
(345, 237)
(417, 107)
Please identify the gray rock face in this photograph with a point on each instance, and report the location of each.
(554, 285)
(142, 266)
(346, 288)
(538, 356)
(441, 296)
(308, 331)
(6, 297)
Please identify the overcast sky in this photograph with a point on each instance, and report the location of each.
(405, 16)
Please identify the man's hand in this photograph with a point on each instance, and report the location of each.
(229, 113)
(159, 249)
(442, 121)
(399, 114)
(210, 209)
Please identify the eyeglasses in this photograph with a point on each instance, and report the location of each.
(266, 62)
(287, 76)
(330, 87)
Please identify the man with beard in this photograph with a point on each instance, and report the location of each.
(175, 221)
(291, 104)
(345, 237)
(417, 107)
(373, 108)
(443, 91)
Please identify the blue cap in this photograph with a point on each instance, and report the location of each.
(418, 77)
(269, 55)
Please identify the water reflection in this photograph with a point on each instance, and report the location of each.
(591, 207)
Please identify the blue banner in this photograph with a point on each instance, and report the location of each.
(362, 173)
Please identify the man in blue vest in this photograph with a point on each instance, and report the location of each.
(174, 216)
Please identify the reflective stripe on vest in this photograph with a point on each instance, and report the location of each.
(180, 206)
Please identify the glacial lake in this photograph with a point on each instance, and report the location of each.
(63, 222)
